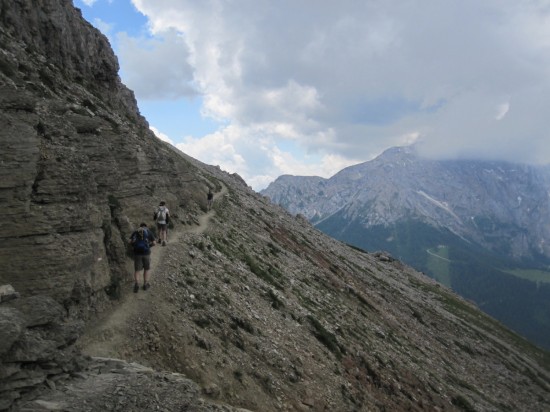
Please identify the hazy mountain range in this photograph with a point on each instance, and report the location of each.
(481, 227)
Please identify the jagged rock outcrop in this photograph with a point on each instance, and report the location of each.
(36, 344)
(116, 385)
(249, 307)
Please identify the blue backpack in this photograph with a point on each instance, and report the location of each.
(141, 241)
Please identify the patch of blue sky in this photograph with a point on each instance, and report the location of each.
(118, 15)
(174, 118)
(178, 118)
(289, 146)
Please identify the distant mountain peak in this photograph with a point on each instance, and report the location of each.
(448, 193)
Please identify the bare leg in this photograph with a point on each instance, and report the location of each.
(136, 287)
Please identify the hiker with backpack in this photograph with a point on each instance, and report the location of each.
(142, 240)
(162, 217)
(210, 199)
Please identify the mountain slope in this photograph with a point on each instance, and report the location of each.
(474, 226)
(276, 313)
(250, 307)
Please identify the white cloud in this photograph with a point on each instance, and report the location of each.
(502, 109)
(217, 149)
(255, 156)
(349, 79)
(89, 3)
(161, 135)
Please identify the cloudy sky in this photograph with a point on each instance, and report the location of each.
(308, 87)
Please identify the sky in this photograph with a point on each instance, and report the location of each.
(308, 87)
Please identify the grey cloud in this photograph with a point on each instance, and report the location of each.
(156, 68)
(382, 71)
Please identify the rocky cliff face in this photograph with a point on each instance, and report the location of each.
(79, 169)
(249, 306)
(79, 166)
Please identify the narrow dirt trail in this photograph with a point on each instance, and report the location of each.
(109, 335)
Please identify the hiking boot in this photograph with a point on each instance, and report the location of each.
(136, 287)
(163, 243)
(146, 286)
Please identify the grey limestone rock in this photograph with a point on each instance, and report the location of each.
(39, 310)
(7, 292)
(12, 324)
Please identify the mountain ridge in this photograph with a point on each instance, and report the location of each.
(412, 177)
(256, 310)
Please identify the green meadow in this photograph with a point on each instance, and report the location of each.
(534, 275)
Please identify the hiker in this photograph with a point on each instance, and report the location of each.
(142, 240)
(210, 199)
(162, 217)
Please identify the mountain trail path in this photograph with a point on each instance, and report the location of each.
(113, 333)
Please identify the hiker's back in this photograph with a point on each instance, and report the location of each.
(162, 215)
(141, 242)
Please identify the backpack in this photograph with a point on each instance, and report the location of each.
(141, 242)
(161, 216)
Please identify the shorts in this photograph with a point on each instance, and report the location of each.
(142, 262)
(161, 226)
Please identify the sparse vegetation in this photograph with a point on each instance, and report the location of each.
(462, 403)
(364, 301)
(243, 324)
(325, 337)
(238, 374)
(276, 303)
(7, 67)
(532, 275)
(274, 249)
(202, 322)
(473, 316)
(416, 314)
(266, 275)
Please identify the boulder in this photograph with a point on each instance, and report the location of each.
(39, 310)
